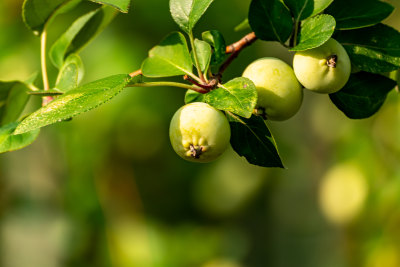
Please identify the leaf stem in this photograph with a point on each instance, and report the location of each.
(43, 39)
(196, 59)
(170, 84)
(293, 40)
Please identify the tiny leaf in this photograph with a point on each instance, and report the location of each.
(170, 58)
(301, 9)
(363, 94)
(320, 5)
(10, 142)
(358, 13)
(315, 32)
(193, 96)
(238, 96)
(75, 102)
(203, 51)
(186, 13)
(217, 41)
(121, 5)
(243, 26)
(71, 74)
(41, 93)
(251, 138)
(270, 20)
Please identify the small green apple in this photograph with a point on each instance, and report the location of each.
(199, 132)
(279, 93)
(324, 69)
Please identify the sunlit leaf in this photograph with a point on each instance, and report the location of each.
(121, 5)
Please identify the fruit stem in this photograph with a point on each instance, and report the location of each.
(196, 152)
(331, 61)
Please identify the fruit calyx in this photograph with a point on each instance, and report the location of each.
(195, 151)
(331, 61)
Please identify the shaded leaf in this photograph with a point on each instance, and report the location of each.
(11, 142)
(71, 74)
(363, 94)
(238, 96)
(301, 9)
(270, 20)
(193, 96)
(203, 51)
(75, 102)
(374, 49)
(186, 13)
(13, 99)
(315, 32)
(217, 41)
(358, 13)
(121, 5)
(170, 58)
(251, 138)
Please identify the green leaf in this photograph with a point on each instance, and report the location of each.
(374, 49)
(251, 138)
(75, 102)
(71, 74)
(186, 13)
(270, 20)
(13, 99)
(358, 13)
(315, 32)
(121, 5)
(301, 9)
(363, 94)
(60, 47)
(217, 41)
(320, 5)
(203, 51)
(11, 142)
(243, 26)
(94, 26)
(36, 13)
(238, 96)
(193, 96)
(170, 58)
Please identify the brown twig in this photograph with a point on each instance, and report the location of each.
(136, 73)
(242, 43)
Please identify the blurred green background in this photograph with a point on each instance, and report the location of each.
(106, 189)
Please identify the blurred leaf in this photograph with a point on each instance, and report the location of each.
(170, 58)
(301, 9)
(94, 26)
(363, 94)
(186, 13)
(121, 5)
(11, 142)
(243, 26)
(203, 51)
(358, 13)
(71, 74)
(374, 49)
(60, 47)
(13, 99)
(270, 20)
(315, 32)
(320, 5)
(193, 96)
(238, 96)
(75, 102)
(217, 41)
(251, 138)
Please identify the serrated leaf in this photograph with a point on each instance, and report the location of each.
(75, 102)
(186, 13)
(203, 51)
(315, 32)
(320, 5)
(238, 96)
(270, 20)
(36, 13)
(251, 138)
(13, 99)
(363, 94)
(170, 58)
(358, 13)
(374, 49)
(121, 5)
(10, 142)
(217, 41)
(60, 47)
(70, 74)
(193, 96)
(301, 9)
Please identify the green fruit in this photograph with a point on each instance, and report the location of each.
(199, 132)
(325, 69)
(279, 93)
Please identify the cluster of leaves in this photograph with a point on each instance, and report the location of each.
(374, 48)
